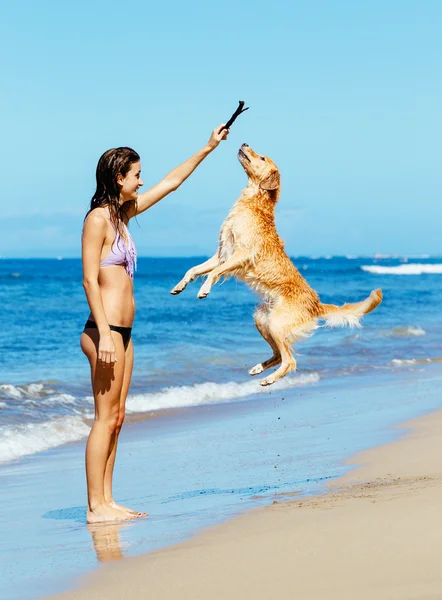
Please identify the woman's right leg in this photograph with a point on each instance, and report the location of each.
(106, 385)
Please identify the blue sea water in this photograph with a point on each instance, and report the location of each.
(189, 351)
(220, 442)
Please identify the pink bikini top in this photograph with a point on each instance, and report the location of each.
(122, 253)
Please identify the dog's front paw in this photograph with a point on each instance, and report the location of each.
(177, 289)
(267, 381)
(257, 369)
(204, 292)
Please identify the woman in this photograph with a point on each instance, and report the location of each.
(109, 261)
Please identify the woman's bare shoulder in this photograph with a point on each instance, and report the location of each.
(96, 220)
(97, 215)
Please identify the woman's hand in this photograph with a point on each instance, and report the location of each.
(217, 136)
(107, 354)
(177, 176)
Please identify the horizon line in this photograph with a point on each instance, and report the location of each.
(377, 255)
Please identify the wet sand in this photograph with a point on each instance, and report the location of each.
(377, 534)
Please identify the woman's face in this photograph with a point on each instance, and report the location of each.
(130, 183)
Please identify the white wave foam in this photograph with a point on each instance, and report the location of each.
(56, 399)
(411, 330)
(404, 361)
(414, 269)
(30, 438)
(208, 393)
(22, 440)
(11, 390)
(416, 361)
(30, 390)
(33, 389)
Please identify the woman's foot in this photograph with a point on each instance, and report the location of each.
(129, 511)
(104, 513)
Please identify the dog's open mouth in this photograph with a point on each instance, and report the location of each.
(243, 154)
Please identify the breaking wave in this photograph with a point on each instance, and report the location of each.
(415, 361)
(409, 269)
(410, 331)
(21, 440)
(63, 418)
(208, 393)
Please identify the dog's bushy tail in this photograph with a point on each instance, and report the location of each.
(349, 314)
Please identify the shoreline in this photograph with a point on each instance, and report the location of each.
(304, 383)
(368, 536)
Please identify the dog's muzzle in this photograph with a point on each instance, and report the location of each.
(242, 154)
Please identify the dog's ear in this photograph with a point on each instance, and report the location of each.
(271, 182)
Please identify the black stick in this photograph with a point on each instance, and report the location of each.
(236, 114)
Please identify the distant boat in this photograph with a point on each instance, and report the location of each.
(379, 256)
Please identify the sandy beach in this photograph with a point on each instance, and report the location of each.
(375, 534)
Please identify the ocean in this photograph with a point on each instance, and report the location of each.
(205, 436)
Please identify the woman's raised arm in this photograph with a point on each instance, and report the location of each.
(175, 178)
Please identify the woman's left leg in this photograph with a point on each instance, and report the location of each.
(108, 476)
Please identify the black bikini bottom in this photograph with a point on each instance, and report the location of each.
(125, 331)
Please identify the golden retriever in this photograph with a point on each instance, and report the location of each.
(251, 250)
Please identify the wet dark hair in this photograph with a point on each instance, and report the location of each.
(114, 162)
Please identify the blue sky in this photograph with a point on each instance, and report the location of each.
(344, 96)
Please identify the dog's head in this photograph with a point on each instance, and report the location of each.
(261, 170)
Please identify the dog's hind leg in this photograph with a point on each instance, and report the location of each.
(195, 272)
(236, 261)
(280, 333)
(261, 321)
(267, 364)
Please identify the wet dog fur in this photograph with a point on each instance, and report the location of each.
(251, 250)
